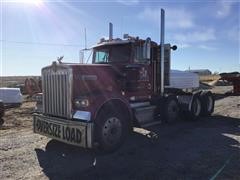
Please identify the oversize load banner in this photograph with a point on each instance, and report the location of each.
(69, 133)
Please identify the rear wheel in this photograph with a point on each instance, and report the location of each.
(194, 109)
(207, 101)
(111, 129)
(170, 109)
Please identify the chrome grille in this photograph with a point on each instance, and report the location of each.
(57, 88)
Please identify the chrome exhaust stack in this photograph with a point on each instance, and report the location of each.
(162, 50)
(110, 31)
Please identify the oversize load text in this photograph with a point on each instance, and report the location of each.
(66, 133)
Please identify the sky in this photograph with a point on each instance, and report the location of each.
(35, 32)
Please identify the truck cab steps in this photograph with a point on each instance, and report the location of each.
(144, 112)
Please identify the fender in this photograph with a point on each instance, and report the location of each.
(197, 92)
(104, 98)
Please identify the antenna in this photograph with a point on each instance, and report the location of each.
(85, 34)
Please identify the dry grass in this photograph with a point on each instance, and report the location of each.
(12, 81)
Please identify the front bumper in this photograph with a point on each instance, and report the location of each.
(68, 131)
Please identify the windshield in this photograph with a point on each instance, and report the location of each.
(101, 56)
(112, 54)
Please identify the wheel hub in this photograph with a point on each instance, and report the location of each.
(112, 130)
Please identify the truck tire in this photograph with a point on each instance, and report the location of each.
(207, 101)
(111, 129)
(170, 109)
(194, 110)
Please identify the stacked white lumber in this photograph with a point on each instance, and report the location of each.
(11, 95)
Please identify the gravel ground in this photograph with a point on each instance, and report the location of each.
(183, 150)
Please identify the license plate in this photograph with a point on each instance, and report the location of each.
(70, 132)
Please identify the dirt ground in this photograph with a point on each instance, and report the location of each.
(204, 149)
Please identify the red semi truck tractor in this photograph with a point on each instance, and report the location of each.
(126, 85)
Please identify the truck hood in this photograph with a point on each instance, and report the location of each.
(93, 78)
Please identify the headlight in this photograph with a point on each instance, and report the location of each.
(81, 103)
(37, 97)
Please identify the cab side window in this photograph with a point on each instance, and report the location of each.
(139, 55)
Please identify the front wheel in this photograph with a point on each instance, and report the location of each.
(111, 129)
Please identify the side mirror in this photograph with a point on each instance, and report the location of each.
(81, 56)
(174, 47)
(85, 55)
(147, 49)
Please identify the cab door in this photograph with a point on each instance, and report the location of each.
(138, 73)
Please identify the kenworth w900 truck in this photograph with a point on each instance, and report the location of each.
(126, 85)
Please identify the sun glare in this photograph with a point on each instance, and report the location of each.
(31, 2)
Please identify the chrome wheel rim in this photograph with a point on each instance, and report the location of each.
(112, 131)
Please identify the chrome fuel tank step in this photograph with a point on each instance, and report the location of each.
(144, 112)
